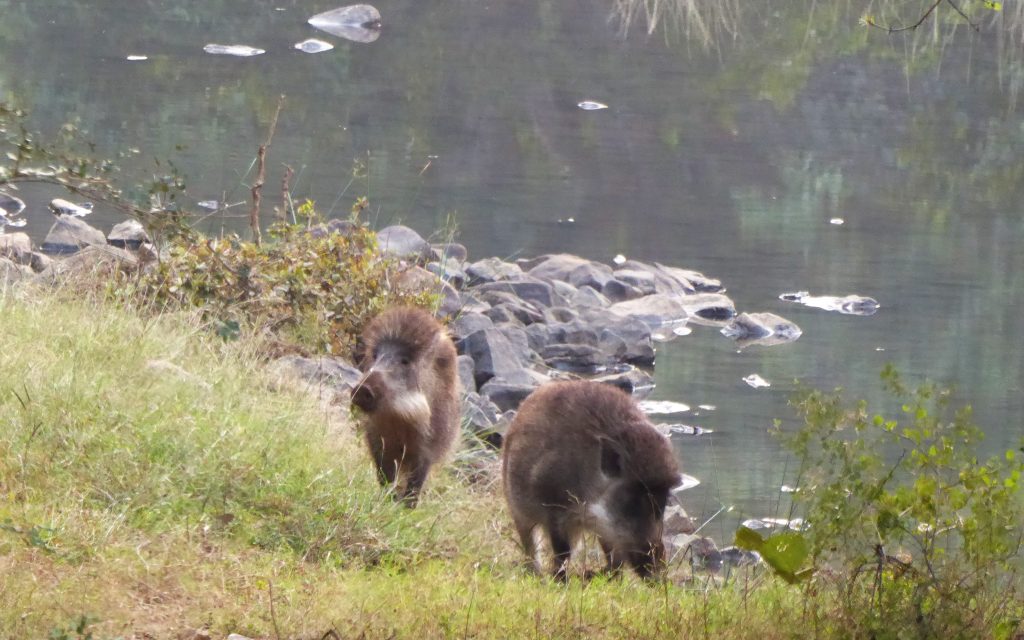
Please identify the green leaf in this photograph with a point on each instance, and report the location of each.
(786, 552)
(748, 539)
(994, 6)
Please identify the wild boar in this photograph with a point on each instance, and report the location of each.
(581, 456)
(409, 393)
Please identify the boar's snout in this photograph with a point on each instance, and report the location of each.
(365, 396)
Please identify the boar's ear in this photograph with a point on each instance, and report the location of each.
(611, 458)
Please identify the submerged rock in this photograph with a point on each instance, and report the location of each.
(852, 304)
(761, 328)
(237, 50)
(313, 45)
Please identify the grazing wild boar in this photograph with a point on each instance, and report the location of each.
(409, 393)
(581, 456)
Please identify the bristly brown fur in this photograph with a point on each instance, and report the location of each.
(412, 408)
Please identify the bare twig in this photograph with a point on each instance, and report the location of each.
(261, 174)
(273, 614)
(924, 16)
(286, 195)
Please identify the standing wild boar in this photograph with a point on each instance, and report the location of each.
(409, 393)
(581, 456)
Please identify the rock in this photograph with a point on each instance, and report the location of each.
(633, 381)
(692, 279)
(578, 272)
(531, 290)
(61, 207)
(449, 251)
(464, 365)
(589, 297)
(11, 205)
(415, 279)
(491, 270)
(341, 226)
(129, 234)
(713, 309)
(662, 281)
(449, 271)
(640, 280)
(736, 557)
(677, 521)
(483, 419)
(654, 310)
(237, 636)
(559, 314)
(95, 260)
(575, 358)
(335, 373)
(761, 328)
(40, 261)
(505, 305)
(468, 322)
(619, 291)
(16, 247)
(69, 234)
(704, 554)
(494, 355)
(507, 395)
(10, 272)
(402, 242)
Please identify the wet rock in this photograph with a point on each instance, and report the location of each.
(62, 207)
(654, 310)
(237, 50)
(357, 22)
(491, 270)
(525, 288)
(661, 282)
(494, 355)
(633, 381)
(735, 557)
(401, 241)
(850, 305)
(69, 234)
(756, 381)
(761, 328)
(714, 309)
(16, 247)
(313, 45)
(11, 205)
(692, 279)
(464, 365)
(129, 234)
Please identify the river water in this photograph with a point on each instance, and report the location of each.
(733, 137)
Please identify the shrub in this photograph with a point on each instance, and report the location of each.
(908, 531)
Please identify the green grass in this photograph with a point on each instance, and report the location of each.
(158, 480)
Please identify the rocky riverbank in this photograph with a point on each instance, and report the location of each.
(516, 325)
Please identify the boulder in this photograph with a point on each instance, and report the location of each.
(491, 270)
(40, 261)
(507, 395)
(576, 271)
(402, 242)
(69, 235)
(575, 358)
(95, 260)
(713, 309)
(416, 279)
(449, 251)
(525, 288)
(589, 297)
(450, 271)
(468, 322)
(661, 281)
(523, 311)
(640, 280)
(654, 310)
(636, 382)
(464, 365)
(16, 247)
(494, 355)
(483, 419)
(690, 279)
(619, 291)
(129, 234)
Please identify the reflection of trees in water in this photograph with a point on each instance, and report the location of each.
(703, 21)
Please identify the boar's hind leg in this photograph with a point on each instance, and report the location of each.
(525, 531)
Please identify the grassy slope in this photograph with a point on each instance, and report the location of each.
(159, 499)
